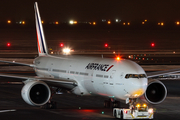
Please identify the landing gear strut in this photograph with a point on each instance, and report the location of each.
(51, 104)
(132, 103)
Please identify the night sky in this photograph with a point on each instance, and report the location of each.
(92, 10)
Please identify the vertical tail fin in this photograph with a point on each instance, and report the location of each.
(41, 42)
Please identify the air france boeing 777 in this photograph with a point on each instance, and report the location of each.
(115, 79)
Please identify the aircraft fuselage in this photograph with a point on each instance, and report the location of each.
(95, 76)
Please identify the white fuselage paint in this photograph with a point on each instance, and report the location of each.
(95, 76)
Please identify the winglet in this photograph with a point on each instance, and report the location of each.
(41, 42)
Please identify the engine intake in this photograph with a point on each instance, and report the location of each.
(36, 93)
(156, 92)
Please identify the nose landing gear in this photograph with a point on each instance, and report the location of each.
(111, 103)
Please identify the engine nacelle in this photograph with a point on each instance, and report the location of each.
(36, 93)
(156, 92)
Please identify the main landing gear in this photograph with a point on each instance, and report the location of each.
(51, 104)
(111, 103)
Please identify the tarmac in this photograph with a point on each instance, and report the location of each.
(70, 106)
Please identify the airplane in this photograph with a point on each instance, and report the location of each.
(115, 79)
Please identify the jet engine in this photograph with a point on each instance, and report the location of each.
(36, 93)
(156, 92)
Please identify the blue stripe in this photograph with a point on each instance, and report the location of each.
(40, 32)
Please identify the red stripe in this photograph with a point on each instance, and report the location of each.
(109, 68)
(38, 43)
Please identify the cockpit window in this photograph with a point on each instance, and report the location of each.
(135, 76)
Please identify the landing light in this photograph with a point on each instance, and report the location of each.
(118, 58)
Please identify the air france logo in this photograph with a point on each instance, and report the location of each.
(97, 66)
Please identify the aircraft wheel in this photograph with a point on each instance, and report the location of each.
(50, 105)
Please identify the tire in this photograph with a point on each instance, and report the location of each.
(115, 114)
(121, 116)
(52, 105)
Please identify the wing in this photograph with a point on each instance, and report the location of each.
(63, 83)
(159, 73)
(30, 65)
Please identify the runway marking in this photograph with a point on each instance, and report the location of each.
(1, 111)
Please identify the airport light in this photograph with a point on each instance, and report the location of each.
(66, 51)
(124, 23)
(161, 23)
(61, 45)
(128, 23)
(9, 21)
(75, 22)
(105, 45)
(117, 20)
(23, 22)
(56, 22)
(152, 44)
(94, 23)
(143, 23)
(145, 20)
(71, 22)
(8, 44)
(109, 22)
(177, 23)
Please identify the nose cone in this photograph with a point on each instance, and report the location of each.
(137, 87)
